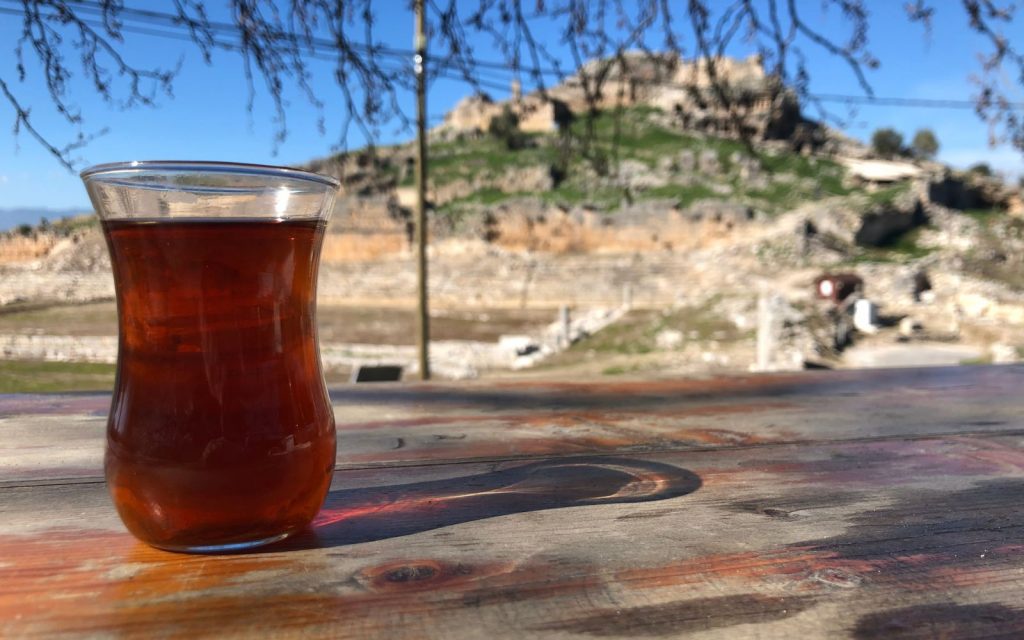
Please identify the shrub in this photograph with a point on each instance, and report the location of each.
(505, 127)
(980, 169)
(887, 142)
(925, 144)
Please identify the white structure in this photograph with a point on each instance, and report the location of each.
(865, 316)
(880, 171)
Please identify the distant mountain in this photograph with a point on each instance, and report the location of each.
(10, 218)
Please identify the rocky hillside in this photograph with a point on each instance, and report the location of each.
(655, 186)
(637, 209)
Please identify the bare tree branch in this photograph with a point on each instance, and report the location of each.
(282, 44)
(994, 104)
(23, 121)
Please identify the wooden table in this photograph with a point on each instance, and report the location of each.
(836, 504)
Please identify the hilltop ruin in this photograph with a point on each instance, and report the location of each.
(725, 96)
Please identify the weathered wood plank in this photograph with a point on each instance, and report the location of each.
(43, 438)
(893, 538)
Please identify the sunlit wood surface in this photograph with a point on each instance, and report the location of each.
(859, 504)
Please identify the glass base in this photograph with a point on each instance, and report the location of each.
(231, 547)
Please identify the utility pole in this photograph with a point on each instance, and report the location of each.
(422, 312)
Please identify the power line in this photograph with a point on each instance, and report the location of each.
(182, 36)
(928, 103)
(496, 82)
(227, 28)
(326, 50)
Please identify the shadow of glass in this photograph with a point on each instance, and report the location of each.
(648, 395)
(351, 516)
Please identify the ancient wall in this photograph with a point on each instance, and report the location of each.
(473, 113)
(665, 82)
(517, 279)
(537, 115)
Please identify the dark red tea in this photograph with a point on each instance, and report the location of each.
(221, 431)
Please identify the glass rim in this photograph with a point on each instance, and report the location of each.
(199, 166)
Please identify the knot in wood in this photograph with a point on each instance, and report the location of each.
(837, 578)
(414, 575)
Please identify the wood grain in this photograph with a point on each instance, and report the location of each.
(890, 510)
(61, 437)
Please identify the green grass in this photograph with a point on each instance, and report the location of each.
(630, 135)
(606, 198)
(984, 216)
(639, 138)
(470, 158)
(636, 332)
(887, 195)
(907, 245)
(992, 257)
(489, 195)
(20, 376)
(63, 227)
(827, 174)
(626, 346)
(89, 319)
(566, 194)
(484, 196)
(647, 142)
(68, 226)
(979, 361)
(629, 336)
(620, 370)
(777, 196)
(684, 194)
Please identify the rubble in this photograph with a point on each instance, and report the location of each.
(668, 339)
(1004, 354)
(910, 327)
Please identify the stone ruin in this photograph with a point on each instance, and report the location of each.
(724, 96)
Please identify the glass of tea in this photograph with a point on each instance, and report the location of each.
(221, 433)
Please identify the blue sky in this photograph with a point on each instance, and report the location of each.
(207, 118)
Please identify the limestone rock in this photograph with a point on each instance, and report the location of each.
(686, 162)
(910, 327)
(720, 211)
(708, 163)
(1004, 354)
(637, 175)
(668, 339)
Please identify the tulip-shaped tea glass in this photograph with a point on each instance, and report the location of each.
(221, 434)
